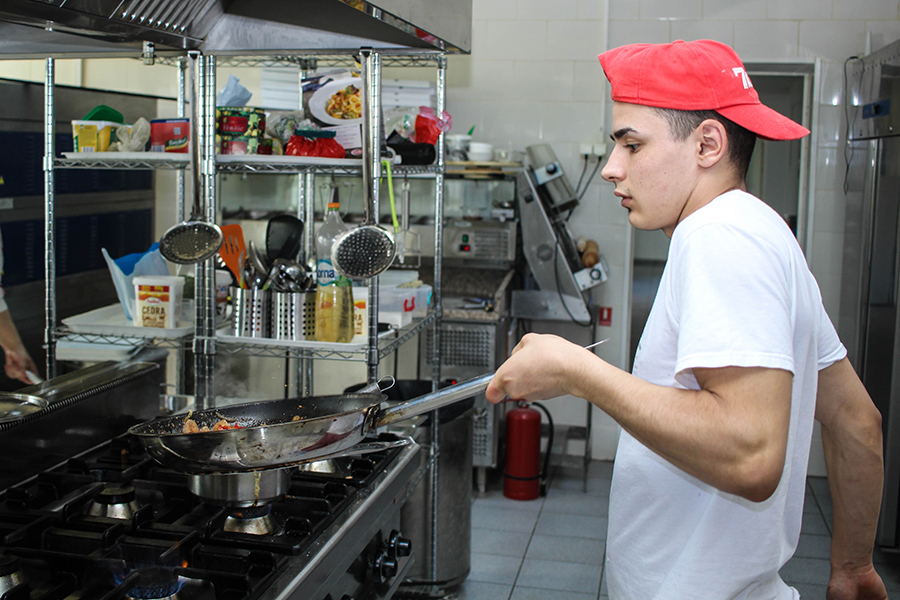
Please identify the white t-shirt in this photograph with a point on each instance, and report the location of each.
(736, 291)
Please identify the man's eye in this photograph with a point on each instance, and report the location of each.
(632, 147)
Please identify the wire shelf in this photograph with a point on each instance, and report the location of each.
(357, 352)
(122, 341)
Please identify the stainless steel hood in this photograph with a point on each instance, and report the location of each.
(40, 28)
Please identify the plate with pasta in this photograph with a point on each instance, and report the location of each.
(338, 102)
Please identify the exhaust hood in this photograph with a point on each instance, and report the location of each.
(41, 28)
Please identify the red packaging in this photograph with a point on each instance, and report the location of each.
(304, 146)
(169, 135)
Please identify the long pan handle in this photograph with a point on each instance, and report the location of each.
(434, 400)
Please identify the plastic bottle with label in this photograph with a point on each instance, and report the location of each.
(334, 292)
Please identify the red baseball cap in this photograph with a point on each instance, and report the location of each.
(698, 75)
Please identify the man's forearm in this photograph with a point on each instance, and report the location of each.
(855, 477)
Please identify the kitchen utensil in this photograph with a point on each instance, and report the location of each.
(397, 239)
(233, 251)
(34, 377)
(589, 346)
(284, 234)
(279, 433)
(366, 250)
(284, 275)
(15, 406)
(192, 241)
(256, 259)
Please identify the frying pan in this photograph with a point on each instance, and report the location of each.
(281, 433)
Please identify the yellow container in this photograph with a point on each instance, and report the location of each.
(93, 136)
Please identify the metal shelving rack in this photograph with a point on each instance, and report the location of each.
(370, 61)
(204, 340)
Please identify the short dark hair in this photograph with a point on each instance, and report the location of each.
(741, 140)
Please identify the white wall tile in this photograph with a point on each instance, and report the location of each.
(828, 160)
(733, 10)
(721, 31)
(511, 121)
(574, 40)
(591, 9)
(626, 10)
(766, 39)
(866, 9)
(492, 79)
(541, 10)
(826, 263)
(633, 32)
(831, 82)
(589, 82)
(514, 40)
(570, 122)
(494, 9)
(829, 128)
(544, 80)
(830, 208)
(835, 40)
(799, 9)
(671, 9)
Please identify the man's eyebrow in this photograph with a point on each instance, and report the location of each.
(620, 133)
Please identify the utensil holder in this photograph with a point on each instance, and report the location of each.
(294, 315)
(251, 312)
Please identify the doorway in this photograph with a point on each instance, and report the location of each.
(778, 175)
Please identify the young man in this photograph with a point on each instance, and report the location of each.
(736, 360)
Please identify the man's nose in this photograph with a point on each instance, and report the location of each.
(612, 171)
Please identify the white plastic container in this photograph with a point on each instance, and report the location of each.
(157, 301)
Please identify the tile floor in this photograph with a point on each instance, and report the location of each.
(552, 548)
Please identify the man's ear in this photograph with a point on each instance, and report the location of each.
(713, 143)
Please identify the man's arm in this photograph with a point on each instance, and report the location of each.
(851, 437)
(731, 434)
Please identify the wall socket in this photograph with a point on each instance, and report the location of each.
(598, 150)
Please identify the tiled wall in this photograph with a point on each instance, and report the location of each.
(533, 77)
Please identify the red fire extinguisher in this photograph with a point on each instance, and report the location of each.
(523, 478)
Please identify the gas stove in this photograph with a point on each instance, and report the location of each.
(113, 524)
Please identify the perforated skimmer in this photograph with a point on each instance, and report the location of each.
(366, 250)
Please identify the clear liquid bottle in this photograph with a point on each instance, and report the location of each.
(334, 292)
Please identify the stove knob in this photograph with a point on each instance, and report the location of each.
(400, 546)
(385, 567)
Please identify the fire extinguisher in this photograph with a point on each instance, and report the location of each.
(523, 477)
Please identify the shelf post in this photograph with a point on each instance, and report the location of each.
(438, 308)
(49, 221)
(203, 106)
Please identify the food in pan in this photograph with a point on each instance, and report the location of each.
(345, 103)
(190, 426)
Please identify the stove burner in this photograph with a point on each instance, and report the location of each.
(256, 520)
(156, 583)
(10, 573)
(115, 502)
